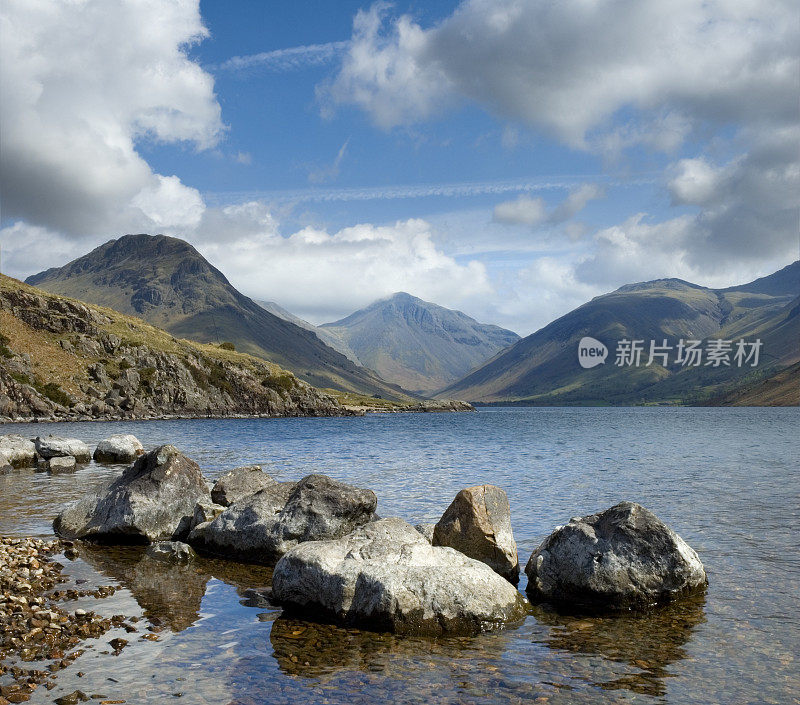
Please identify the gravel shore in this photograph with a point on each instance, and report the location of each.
(37, 636)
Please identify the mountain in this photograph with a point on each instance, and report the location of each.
(328, 337)
(543, 368)
(780, 389)
(63, 359)
(168, 283)
(417, 344)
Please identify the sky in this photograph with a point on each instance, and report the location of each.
(508, 158)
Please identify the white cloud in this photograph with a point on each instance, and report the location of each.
(523, 210)
(323, 276)
(322, 174)
(82, 83)
(568, 67)
(290, 59)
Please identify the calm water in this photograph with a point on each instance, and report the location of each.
(725, 479)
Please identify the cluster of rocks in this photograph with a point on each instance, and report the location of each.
(119, 378)
(56, 454)
(335, 558)
(38, 637)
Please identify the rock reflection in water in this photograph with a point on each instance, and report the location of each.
(647, 641)
(170, 594)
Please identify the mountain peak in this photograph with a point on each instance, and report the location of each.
(418, 344)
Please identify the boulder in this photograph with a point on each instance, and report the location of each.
(146, 504)
(5, 465)
(622, 558)
(58, 447)
(385, 576)
(171, 552)
(239, 483)
(60, 464)
(119, 448)
(262, 527)
(19, 451)
(478, 523)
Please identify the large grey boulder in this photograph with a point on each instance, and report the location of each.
(262, 527)
(478, 523)
(239, 483)
(624, 557)
(385, 576)
(19, 451)
(119, 448)
(146, 504)
(58, 447)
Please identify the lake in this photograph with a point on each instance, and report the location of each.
(725, 479)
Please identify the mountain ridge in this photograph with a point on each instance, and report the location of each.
(418, 344)
(543, 367)
(168, 283)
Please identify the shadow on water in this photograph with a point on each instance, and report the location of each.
(170, 594)
(647, 641)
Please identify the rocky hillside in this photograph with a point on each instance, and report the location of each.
(169, 284)
(417, 344)
(63, 359)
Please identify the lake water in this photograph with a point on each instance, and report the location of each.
(725, 479)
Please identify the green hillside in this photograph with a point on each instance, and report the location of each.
(543, 368)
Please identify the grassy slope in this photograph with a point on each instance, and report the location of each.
(52, 363)
(543, 368)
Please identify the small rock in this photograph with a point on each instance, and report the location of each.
(61, 464)
(56, 446)
(239, 483)
(119, 448)
(171, 552)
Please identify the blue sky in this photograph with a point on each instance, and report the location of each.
(510, 158)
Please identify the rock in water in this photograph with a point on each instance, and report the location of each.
(58, 447)
(262, 527)
(171, 552)
(19, 451)
(147, 504)
(478, 523)
(5, 464)
(385, 576)
(239, 483)
(119, 448)
(624, 557)
(59, 465)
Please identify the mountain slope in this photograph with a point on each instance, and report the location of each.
(168, 283)
(328, 337)
(543, 368)
(417, 344)
(61, 358)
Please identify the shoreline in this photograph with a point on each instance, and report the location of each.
(347, 411)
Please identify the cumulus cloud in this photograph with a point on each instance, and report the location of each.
(82, 84)
(568, 67)
(323, 276)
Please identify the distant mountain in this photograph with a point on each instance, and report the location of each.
(328, 337)
(168, 283)
(417, 344)
(543, 368)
